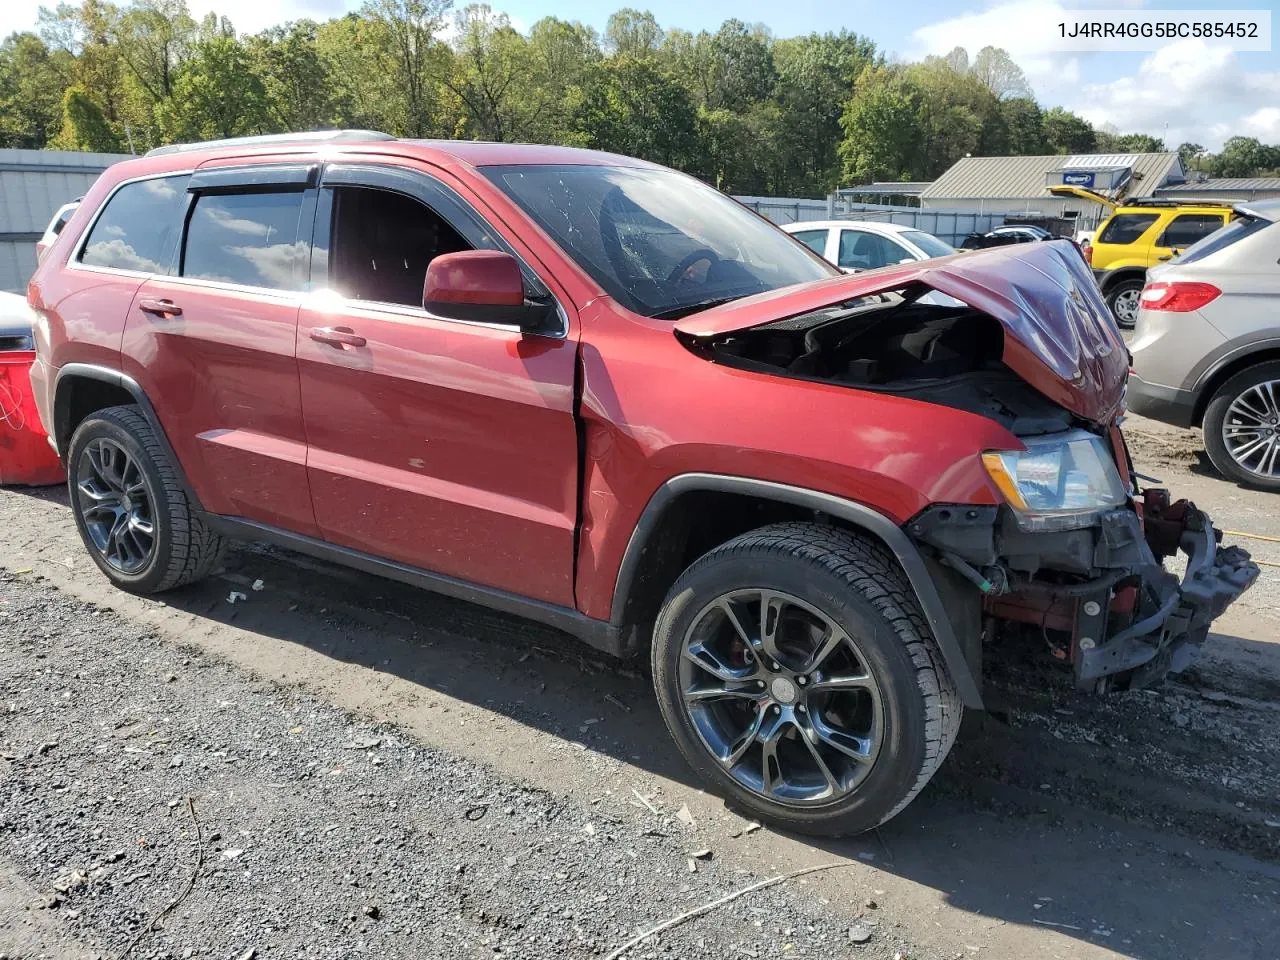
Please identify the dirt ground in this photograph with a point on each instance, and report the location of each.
(377, 771)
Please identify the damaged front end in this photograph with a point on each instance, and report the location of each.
(1020, 335)
(1099, 594)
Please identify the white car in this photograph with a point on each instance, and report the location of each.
(56, 223)
(856, 245)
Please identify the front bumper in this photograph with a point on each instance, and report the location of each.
(1165, 639)
(1118, 616)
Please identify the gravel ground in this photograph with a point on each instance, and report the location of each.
(323, 836)
(1067, 826)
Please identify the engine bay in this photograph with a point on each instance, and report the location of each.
(937, 350)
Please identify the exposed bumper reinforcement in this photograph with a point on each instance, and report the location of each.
(1165, 640)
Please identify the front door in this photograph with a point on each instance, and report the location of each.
(1184, 230)
(447, 446)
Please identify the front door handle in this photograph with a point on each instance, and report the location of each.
(159, 308)
(337, 336)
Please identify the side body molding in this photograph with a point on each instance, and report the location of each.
(874, 523)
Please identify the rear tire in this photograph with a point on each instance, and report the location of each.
(1239, 415)
(828, 577)
(1123, 299)
(133, 514)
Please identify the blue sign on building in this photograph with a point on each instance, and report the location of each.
(1079, 178)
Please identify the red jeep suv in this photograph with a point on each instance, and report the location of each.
(598, 393)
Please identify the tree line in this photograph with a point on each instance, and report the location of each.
(739, 108)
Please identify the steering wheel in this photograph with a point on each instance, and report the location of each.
(702, 253)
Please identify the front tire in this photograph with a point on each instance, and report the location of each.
(796, 674)
(1242, 427)
(1124, 298)
(132, 512)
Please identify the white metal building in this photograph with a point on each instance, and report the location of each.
(1019, 185)
(33, 184)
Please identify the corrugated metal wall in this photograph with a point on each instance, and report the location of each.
(33, 184)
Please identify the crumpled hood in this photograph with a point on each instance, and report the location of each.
(1059, 335)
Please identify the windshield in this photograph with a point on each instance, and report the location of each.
(931, 245)
(660, 243)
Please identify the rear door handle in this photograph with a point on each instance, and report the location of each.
(337, 336)
(160, 308)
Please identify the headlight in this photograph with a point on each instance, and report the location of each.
(1060, 482)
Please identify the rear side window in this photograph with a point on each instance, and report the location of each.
(815, 240)
(1187, 228)
(138, 229)
(247, 238)
(1127, 227)
(63, 216)
(1233, 232)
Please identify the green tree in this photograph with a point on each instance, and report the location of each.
(631, 106)
(1240, 157)
(216, 95)
(491, 74)
(1190, 155)
(1023, 126)
(410, 54)
(32, 78)
(561, 56)
(741, 69)
(1109, 141)
(84, 127)
(295, 76)
(632, 33)
(1064, 132)
(882, 129)
(816, 74)
(995, 70)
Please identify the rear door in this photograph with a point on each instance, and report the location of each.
(441, 444)
(1184, 230)
(213, 344)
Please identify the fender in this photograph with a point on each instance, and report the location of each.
(91, 371)
(874, 523)
(1111, 275)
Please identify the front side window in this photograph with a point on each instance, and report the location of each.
(867, 251)
(247, 238)
(1187, 228)
(139, 227)
(378, 244)
(1127, 227)
(660, 243)
(815, 240)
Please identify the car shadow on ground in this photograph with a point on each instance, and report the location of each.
(1002, 850)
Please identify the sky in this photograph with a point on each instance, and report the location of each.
(1188, 91)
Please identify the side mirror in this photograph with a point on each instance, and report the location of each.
(483, 286)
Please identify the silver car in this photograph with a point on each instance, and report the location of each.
(1206, 346)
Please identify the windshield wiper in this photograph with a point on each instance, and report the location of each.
(675, 313)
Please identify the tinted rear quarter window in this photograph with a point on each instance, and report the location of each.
(1127, 227)
(247, 238)
(1187, 228)
(138, 228)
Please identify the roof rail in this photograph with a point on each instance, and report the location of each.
(272, 139)
(1177, 202)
